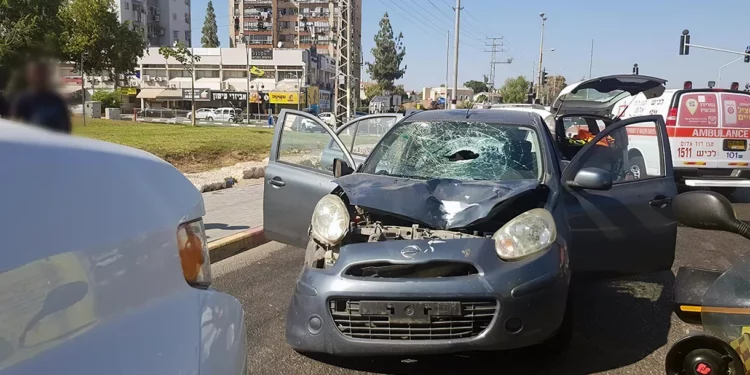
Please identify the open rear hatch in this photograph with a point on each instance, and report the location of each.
(597, 96)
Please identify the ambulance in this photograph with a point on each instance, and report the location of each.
(708, 129)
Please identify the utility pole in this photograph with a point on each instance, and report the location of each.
(447, 64)
(344, 62)
(591, 59)
(83, 92)
(455, 55)
(541, 56)
(494, 62)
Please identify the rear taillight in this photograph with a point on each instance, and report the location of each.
(672, 117)
(193, 249)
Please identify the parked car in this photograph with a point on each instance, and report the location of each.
(460, 231)
(106, 270)
(328, 118)
(202, 113)
(225, 114)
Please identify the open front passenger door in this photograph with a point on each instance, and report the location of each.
(621, 221)
(295, 178)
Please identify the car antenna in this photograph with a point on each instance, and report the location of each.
(467, 111)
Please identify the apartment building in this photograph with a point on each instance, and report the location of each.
(294, 24)
(164, 22)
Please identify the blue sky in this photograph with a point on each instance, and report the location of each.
(624, 32)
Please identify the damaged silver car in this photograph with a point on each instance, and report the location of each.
(459, 231)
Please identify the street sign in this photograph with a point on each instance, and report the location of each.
(198, 94)
(283, 97)
(229, 95)
(257, 71)
(261, 53)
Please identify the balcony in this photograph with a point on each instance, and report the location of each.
(254, 2)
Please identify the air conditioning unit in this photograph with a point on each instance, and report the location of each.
(105, 78)
(157, 18)
(120, 76)
(146, 78)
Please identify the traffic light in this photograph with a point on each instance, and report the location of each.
(544, 77)
(635, 69)
(747, 54)
(685, 42)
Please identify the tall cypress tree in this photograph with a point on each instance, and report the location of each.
(389, 52)
(210, 38)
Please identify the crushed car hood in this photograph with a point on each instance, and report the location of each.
(439, 203)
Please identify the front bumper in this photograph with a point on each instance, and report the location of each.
(532, 291)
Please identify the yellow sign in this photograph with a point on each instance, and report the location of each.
(257, 71)
(313, 95)
(283, 98)
(128, 90)
(255, 98)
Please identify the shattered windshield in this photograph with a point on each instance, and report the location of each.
(457, 150)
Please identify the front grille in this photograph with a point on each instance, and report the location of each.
(475, 317)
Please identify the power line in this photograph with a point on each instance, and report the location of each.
(464, 31)
(433, 27)
(466, 22)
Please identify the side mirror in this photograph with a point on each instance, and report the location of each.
(341, 168)
(708, 210)
(592, 178)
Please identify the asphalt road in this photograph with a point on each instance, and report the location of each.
(622, 326)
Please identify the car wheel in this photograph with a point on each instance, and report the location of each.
(637, 168)
(314, 255)
(209, 118)
(725, 191)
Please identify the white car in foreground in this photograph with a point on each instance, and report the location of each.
(105, 267)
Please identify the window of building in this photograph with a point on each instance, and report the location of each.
(176, 35)
(187, 17)
(174, 16)
(126, 5)
(187, 35)
(187, 2)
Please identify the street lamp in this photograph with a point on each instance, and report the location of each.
(246, 40)
(726, 65)
(541, 55)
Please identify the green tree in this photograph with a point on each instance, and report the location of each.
(372, 91)
(186, 58)
(94, 34)
(27, 28)
(389, 52)
(514, 90)
(482, 98)
(477, 86)
(210, 38)
(109, 99)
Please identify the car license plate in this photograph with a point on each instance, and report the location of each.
(409, 311)
(735, 145)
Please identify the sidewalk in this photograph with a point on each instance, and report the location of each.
(231, 211)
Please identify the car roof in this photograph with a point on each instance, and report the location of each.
(539, 111)
(524, 117)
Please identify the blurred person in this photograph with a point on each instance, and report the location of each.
(39, 104)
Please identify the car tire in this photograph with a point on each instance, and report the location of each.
(209, 118)
(637, 168)
(725, 191)
(314, 255)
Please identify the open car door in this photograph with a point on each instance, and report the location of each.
(295, 178)
(621, 222)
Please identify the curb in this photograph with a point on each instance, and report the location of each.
(237, 243)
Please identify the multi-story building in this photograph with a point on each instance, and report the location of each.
(301, 77)
(164, 22)
(296, 24)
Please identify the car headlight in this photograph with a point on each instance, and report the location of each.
(527, 233)
(330, 220)
(193, 249)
